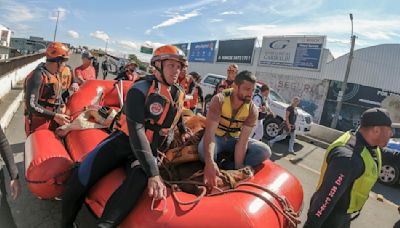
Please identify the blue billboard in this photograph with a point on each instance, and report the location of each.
(202, 51)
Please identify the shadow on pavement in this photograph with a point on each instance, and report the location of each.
(280, 149)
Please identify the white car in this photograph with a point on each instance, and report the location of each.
(278, 105)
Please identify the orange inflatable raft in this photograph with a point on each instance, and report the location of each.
(48, 165)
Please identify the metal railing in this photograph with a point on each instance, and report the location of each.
(8, 65)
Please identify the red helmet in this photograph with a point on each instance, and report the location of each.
(57, 51)
(168, 52)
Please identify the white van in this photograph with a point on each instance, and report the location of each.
(277, 104)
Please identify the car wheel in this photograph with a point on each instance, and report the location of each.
(272, 128)
(389, 174)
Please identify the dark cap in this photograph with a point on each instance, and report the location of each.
(375, 117)
(87, 55)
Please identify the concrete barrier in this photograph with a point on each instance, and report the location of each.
(9, 80)
(12, 108)
(320, 135)
(323, 133)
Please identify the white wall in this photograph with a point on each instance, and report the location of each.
(8, 80)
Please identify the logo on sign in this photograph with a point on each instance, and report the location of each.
(279, 44)
(156, 108)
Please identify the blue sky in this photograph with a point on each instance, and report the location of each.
(129, 24)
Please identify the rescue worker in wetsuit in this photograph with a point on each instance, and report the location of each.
(6, 219)
(105, 66)
(349, 171)
(229, 122)
(129, 73)
(152, 109)
(228, 82)
(46, 87)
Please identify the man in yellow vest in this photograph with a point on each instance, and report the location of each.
(349, 171)
(230, 120)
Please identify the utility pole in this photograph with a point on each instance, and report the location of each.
(55, 30)
(346, 77)
(106, 46)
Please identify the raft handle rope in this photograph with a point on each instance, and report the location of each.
(287, 212)
(165, 204)
(285, 208)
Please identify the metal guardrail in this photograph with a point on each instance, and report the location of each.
(8, 65)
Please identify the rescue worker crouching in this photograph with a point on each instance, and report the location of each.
(153, 108)
(129, 73)
(230, 120)
(45, 88)
(350, 169)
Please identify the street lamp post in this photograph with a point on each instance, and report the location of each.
(106, 46)
(55, 30)
(346, 77)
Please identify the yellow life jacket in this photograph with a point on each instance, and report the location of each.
(362, 185)
(229, 124)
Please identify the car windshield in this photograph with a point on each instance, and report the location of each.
(274, 96)
(213, 80)
(396, 133)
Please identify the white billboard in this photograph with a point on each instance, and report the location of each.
(304, 52)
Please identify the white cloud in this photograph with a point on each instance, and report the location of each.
(196, 4)
(214, 20)
(177, 19)
(369, 30)
(127, 44)
(152, 44)
(286, 8)
(62, 15)
(231, 13)
(73, 34)
(101, 35)
(13, 11)
(377, 28)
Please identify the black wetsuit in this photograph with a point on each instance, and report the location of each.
(105, 67)
(32, 89)
(115, 151)
(346, 164)
(6, 219)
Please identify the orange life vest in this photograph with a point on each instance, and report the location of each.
(50, 89)
(162, 112)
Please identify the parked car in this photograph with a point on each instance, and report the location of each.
(390, 174)
(278, 105)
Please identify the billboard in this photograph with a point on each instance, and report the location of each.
(202, 51)
(236, 51)
(302, 52)
(183, 46)
(358, 94)
(146, 50)
(356, 100)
